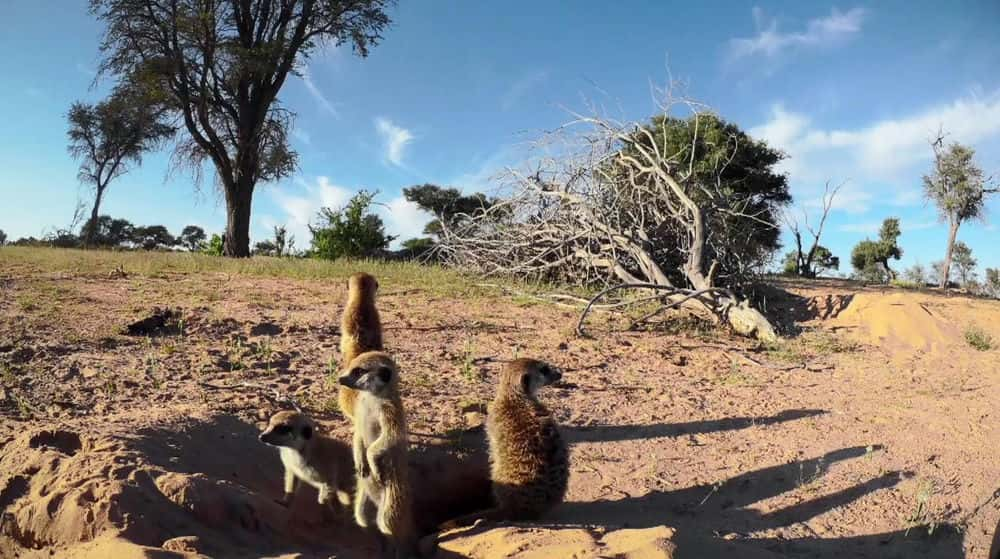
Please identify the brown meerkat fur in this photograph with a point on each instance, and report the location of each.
(381, 459)
(317, 460)
(360, 331)
(529, 461)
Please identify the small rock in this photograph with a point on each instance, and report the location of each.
(183, 544)
(563, 346)
(90, 372)
(679, 360)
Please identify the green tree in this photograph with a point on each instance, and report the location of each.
(108, 231)
(153, 237)
(448, 205)
(870, 259)
(732, 179)
(219, 66)
(214, 246)
(916, 274)
(193, 238)
(350, 232)
(965, 263)
(109, 138)
(958, 189)
(822, 260)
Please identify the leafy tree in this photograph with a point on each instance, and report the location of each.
(152, 237)
(964, 262)
(958, 189)
(214, 246)
(109, 138)
(822, 260)
(870, 259)
(62, 238)
(3, 238)
(219, 67)
(350, 232)
(265, 248)
(739, 190)
(448, 205)
(416, 247)
(192, 238)
(108, 231)
(281, 245)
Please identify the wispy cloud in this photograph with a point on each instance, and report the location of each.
(324, 103)
(819, 32)
(403, 218)
(889, 150)
(521, 87)
(394, 139)
(301, 135)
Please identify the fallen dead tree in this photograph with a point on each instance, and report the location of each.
(613, 204)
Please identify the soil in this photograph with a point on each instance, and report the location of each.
(131, 405)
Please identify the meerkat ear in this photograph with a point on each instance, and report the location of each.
(385, 374)
(307, 432)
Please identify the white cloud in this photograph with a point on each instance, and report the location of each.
(403, 218)
(394, 139)
(321, 99)
(301, 135)
(300, 209)
(888, 150)
(819, 32)
(521, 87)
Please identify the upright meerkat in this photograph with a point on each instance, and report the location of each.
(319, 461)
(360, 331)
(529, 460)
(380, 450)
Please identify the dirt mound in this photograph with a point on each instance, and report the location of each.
(911, 321)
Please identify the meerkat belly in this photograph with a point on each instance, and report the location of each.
(295, 463)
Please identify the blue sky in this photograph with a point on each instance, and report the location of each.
(850, 91)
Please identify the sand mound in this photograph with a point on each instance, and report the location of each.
(908, 321)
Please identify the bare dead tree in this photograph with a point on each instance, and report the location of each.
(603, 204)
(805, 259)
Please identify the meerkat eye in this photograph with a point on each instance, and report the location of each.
(307, 432)
(357, 372)
(384, 374)
(282, 430)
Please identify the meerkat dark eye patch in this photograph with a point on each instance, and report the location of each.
(282, 430)
(526, 383)
(384, 374)
(357, 372)
(307, 432)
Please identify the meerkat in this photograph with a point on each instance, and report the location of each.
(995, 547)
(360, 331)
(380, 450)
(529, 461)
(322, 462)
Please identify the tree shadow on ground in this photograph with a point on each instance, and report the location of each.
(788, 310)
(701, 513)
(607, 433)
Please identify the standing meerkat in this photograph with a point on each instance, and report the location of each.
(360, 331)
(319, 461)
(529, 461)
(380, 450)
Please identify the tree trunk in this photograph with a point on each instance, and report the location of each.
(946, 267)
(236, 242)
(88, 240)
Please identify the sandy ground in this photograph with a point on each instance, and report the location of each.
(871, 433)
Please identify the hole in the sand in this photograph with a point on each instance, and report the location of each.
(63, 441)
(15, 489)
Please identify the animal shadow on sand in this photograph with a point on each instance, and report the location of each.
(701, 513)
(607, 433)
(240, 478)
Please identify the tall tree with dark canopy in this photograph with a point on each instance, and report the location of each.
(219, 65)
(958, 189)
(447, 204)
(871, 258)
(109, 138)
(193, 238)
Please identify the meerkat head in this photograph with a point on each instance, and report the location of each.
(526, 376)
(373, 371)
(363, 284)
(289, 429)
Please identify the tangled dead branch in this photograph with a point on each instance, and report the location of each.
(608, 203)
